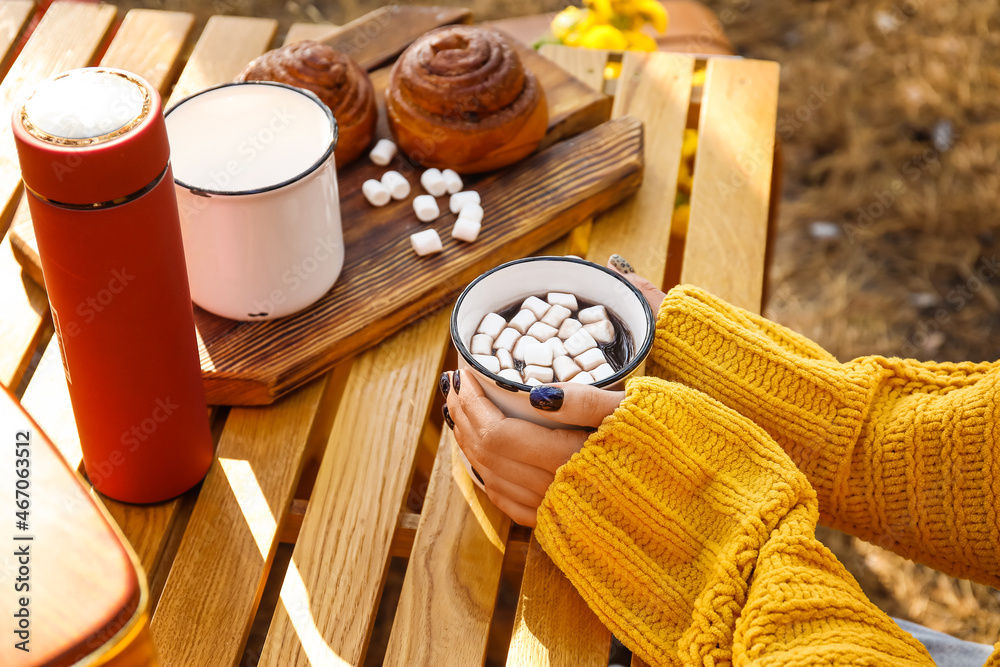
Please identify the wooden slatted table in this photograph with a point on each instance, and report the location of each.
(282, 556)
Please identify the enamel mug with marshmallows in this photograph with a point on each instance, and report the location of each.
(256, 186)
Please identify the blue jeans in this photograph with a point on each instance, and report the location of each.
(945, 649)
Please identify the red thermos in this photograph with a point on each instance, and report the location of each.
(95, 162)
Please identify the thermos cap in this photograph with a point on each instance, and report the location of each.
(91, 137)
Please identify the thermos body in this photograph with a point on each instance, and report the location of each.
(113, 262)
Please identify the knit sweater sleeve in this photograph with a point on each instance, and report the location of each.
(691, 534)
(901, 453)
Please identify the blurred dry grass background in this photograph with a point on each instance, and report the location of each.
(889, 118)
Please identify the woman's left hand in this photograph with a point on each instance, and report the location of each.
(517, 459)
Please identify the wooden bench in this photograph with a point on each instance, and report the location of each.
(355, 490)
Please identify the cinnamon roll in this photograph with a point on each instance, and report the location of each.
(336, 79)
(459, 97)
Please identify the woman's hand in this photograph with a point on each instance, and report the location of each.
(517, 459)
(654, 295)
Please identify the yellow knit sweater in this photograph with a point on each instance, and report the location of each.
(687, 521)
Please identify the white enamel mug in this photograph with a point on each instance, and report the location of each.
(256, 187)
(515, 281)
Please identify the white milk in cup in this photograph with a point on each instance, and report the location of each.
(256, 186)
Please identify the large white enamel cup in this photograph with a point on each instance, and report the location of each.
(256, 187)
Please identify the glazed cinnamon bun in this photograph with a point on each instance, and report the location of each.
(460, 97)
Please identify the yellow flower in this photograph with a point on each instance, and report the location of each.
(601, 8)
(565, 21)
(680, 219)
(639, 41)
(652, 11)
(690, 145)
(603, 37)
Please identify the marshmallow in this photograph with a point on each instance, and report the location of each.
(569, 327)
(488, 362)
(511, 375)
(492, 325)
(524, 319)
(556, 316)
(603, 331)
(583, 378)
(505, 359)
(452, 181)
(473, 212)
(460, 200)
(536, 305)
(396, 184)
(579, 343)
(558, 349)
(481, 344)
(466, 230)
(592, 314)
(565, 368)
(507, 339)
(540, 373)
(426, 242)
(538, 355)
(383, 152)
(523, 343)
(376, 193)
(602, 372)
(590, 359)
(562, 299)
(533, 382)
(542, 331)
(433, 182)
(425, 207)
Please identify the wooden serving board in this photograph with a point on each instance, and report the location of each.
(384, 285)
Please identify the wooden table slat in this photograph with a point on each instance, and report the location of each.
(587, 65)
(25, 324)
(329, 598)
(727, 234)
(67, 37)
(449, 593)
(219, 572)
(227, 44)
(14, 14)
(149, 44)
(655, 88)
(554, 626)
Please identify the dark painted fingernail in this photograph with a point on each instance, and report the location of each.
(444, 385)
(547, 398)
(447, 418)
(457, 381)
(621, 264)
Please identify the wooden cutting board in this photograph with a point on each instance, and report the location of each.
(384, 285)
